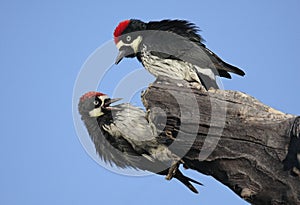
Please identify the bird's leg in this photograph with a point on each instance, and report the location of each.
(173, 169)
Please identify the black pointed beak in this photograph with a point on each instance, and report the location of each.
(121, 55)
(124, 51)
(110, 101)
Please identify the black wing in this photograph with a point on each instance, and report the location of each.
(187, 45)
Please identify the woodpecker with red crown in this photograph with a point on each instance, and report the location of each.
(123, 136)
(171, 48)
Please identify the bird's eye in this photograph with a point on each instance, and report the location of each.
(96, 102)
(128, 38)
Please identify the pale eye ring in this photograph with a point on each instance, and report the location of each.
(96, 102)
(128, 38)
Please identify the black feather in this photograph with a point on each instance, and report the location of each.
(180, 27)
(190, 31)
(117, 150)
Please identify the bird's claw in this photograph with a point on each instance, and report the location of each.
(197, 85)
(172, 170)
(170, 135)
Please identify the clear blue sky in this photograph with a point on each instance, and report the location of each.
(45, 43)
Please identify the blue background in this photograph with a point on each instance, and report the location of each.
(45, 43)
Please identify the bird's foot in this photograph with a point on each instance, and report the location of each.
(197, 85)
(174, 167)
(172, 170)
(170, 135)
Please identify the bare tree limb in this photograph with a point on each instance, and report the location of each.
(248, 145)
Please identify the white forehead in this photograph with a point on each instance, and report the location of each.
(103, 97)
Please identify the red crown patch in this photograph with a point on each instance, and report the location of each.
(90, 95)
(120, 28)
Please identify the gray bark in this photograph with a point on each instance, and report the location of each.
(228, 135)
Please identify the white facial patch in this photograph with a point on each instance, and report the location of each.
(103, 98)
(134, 44)
(96, 112)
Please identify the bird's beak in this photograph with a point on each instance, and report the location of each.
(110, 101)
(121, 55)
(113, 100)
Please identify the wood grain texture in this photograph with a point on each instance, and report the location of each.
(228, 135)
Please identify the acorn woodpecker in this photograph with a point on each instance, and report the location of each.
(171, 48)
(123, 137)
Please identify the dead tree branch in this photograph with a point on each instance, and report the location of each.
(248, 139)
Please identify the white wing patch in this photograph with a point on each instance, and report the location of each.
(206, 71)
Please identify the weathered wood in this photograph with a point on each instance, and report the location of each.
(228, 135)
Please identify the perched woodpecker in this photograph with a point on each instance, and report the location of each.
(171, 48)
(123, 137)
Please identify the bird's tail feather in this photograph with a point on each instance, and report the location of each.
(232, 69)
(224, 67)
(187, 181)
